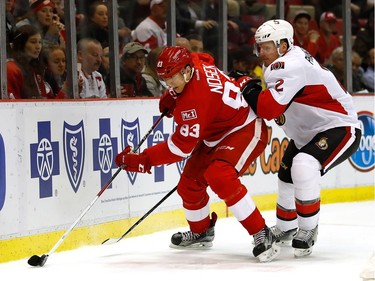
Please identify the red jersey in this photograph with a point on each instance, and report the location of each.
(210, 108)
(311, 47)
(20, 88)
(326, 48)
(150, 34)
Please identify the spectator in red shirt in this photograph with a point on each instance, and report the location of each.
(328, 40)
(25, 68)
(304, 37)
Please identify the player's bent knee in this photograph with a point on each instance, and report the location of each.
(222, 178)
(305, 168)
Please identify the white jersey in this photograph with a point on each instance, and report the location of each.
(150, 34)
(93, 86)
(304, 98)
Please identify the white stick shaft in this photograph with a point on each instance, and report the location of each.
(72, 226)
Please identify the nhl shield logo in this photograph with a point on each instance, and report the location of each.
(130, 136)
(74, 152)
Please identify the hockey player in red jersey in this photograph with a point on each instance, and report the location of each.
(220, 134)
(318, 116)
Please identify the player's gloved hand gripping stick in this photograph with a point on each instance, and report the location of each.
(40, 261)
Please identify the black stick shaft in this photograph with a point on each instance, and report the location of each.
(148, 213)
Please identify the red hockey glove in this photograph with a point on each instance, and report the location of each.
(167, 102)
(133, 162)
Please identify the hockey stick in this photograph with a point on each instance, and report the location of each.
(115, 240)
(36, 260)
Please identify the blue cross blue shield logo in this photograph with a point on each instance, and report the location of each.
(74, 152)
(44, 159)
(104, 149)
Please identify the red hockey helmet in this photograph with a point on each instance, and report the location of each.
(172, 60)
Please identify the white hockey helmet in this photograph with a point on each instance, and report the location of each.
(274, 30)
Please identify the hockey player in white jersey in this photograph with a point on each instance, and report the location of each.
(318, 116)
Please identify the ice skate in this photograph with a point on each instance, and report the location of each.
(189, 239)
(283, 237)
(265, 245)
(304, 241)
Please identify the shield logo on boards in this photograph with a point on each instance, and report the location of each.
(2, 172)
(130, 133)
(74, 152)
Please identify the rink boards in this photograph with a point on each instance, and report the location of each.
(56, 156)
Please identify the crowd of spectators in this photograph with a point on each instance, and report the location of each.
(36, 42)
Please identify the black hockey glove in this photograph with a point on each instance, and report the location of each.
(250, 91)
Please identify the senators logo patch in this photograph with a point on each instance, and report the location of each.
(280, 120)
(278, 65)
(189, 114)
(322, 143)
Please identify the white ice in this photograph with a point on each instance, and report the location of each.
(346, 242)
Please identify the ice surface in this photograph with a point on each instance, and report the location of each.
(346, 242)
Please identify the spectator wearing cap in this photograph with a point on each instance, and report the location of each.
(151, 32)
(304, 37)
(328, 40)
(132, 63)
(42, 14)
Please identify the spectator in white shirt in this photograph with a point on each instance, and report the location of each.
(151, 32)
(89, 57)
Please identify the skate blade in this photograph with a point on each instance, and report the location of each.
(270, 254)
(196, 246)
(298, 253)
(284, 243)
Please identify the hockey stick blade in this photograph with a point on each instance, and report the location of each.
(37, 261)
(110, 241)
